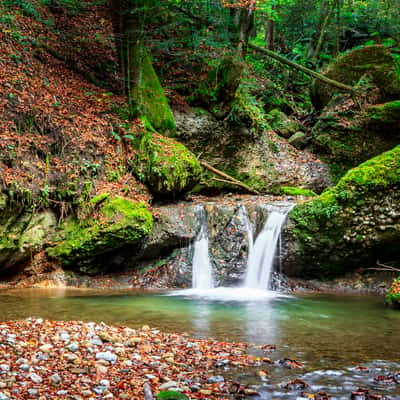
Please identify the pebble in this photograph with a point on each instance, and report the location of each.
(32, 392)
(107, 356)
(35, 378)
(64, 336)
(46, 348)
(3, 397)
(168, 385)
(216, 379)
(4, 368)
(73, 347)
(55, 378)
(25, 367)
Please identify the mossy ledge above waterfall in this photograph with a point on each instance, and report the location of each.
(107, 224)
(352, 224)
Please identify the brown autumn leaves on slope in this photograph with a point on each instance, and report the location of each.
(61, 136)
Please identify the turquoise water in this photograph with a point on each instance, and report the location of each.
(326, 333)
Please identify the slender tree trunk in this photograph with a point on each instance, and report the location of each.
(322, 33)
(270, 30)
(246, 24)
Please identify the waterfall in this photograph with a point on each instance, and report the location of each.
(202, 270)
(261, 254)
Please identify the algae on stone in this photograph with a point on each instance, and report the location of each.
(111, 223)
(165, 166)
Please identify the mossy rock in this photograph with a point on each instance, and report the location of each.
(110, 223)
(354, 223)
(295, 191)
(374, 61)
(392, 297)
(149, 95)
(23, 232)
(218, 91)
(346, 136)
(171, 395)
(282, 124)
(167, 167)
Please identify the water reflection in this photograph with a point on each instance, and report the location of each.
(321, 330)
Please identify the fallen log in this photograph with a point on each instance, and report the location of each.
(227, 178)
(303, 69)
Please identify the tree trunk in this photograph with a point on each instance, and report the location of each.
(245, 25)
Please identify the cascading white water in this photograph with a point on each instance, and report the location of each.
(202, 277)
(261, 255)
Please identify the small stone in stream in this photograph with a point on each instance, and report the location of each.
(386, 379)
(128, 363)
(150, 376)
(168, 385)
(216, 379)
(101, 369)
(107, 356)
(87, 393)
(3, 385)
(35, 378)
(55, 379)
(21, 361)
(296, 384)
(124, 371)
(3, 397)
(62, 392)
(194, 388)
(73, 347)
(145, 328)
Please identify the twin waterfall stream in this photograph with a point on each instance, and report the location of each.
(261, 251)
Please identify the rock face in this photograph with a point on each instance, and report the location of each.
(23, 232)
(167, 167)
(346, 135)
(264, 163)
(219, 89)
(374, 63)
(108, 224)
(353, 224)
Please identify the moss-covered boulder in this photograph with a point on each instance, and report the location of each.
(346, 135)
(218, 91)
(282, 124)
(23, 232)
(148, 94)
(167, 167)
(392, 297)
(108, 223)
(353, 224)
(374, 63)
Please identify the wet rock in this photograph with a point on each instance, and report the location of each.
(35, 378)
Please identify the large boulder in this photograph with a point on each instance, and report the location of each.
(167, 167)
(23, 232)
(107, 224)
(375, 63)
(346, 135)
(351, 225)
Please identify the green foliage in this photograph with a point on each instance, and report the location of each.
(171, 395)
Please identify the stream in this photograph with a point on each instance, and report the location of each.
(330, 335)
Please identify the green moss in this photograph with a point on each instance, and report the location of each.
(295, 191)
(320, 224)
(112, 223)
(148, 94)
(165, 166)
(387, 113)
